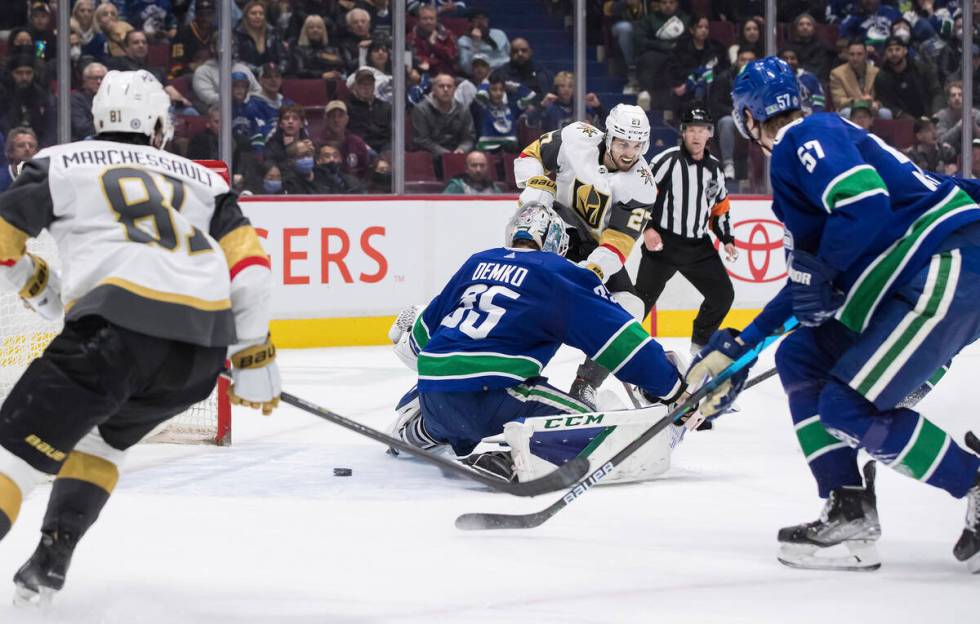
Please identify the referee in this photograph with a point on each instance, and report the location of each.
(691, 196)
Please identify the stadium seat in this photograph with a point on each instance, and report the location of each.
(662, 138)
(701, 8)
(159, 55)
(722, 32)
(828, 34)
(419, 167)
(455, 164)
(459, 26)
(308, 92)
(424, 187)
(183, 85)
(186, 126)
(896, 132)
(526, 134)
(506, 165)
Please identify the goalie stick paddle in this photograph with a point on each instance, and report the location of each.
(563, 477)
(483, 521)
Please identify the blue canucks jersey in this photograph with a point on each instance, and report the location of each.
(504, 314)
(862, 207)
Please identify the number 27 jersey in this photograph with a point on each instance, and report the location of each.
(136, 230)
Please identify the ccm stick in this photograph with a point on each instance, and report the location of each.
(563, 477)
(483, 521)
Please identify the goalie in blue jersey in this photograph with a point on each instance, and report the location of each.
(884, 275)
(480, 346)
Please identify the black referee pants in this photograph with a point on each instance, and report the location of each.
(698, 261)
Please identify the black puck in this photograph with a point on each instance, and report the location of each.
(342, 472)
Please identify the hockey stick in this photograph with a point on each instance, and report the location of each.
(563, 477)
(482, 521)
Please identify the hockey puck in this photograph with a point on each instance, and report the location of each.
(342, 472)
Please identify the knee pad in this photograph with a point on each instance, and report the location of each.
(844, 413)
(631, 303)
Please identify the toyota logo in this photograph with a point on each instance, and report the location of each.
(757, 240)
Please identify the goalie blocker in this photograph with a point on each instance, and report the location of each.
(540, 444)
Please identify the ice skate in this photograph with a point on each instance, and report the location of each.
(494, 463)
(583, 390)
(38, 580)
(844, 536)
(967, 549)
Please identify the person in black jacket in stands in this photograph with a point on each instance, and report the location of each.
(370, 118)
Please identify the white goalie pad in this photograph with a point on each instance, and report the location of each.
(539, 444)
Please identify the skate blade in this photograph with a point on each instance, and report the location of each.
(852, 556)
(26, 597)
(973, 564)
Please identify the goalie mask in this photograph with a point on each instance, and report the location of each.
(535, 222)
(134, 102)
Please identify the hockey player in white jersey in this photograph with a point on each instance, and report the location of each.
(163, 279)
(604, 189)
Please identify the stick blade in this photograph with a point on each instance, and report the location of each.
(568, 474)
(489, 521)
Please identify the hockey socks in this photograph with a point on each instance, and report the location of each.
(79, 493)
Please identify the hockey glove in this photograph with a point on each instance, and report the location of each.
(404, 323)
(255, 378)
(41, 291)
(604, 262)
(721, 351)
(539, 189)
(815, 300)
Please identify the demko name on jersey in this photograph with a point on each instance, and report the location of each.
(122, 156)
(506, 273)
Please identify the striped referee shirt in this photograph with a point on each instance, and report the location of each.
(691, 195)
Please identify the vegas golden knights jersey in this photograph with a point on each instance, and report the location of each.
(612, 206)
(148, 240)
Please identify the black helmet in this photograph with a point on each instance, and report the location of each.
(696, 114)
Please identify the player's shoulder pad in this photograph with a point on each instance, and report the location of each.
(580, 134)
(834, 135)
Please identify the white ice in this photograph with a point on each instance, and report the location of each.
(263, 532)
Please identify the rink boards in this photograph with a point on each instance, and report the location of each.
(344, 266)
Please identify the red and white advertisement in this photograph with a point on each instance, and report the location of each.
(371, 256)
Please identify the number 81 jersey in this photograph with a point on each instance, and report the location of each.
(137, 231)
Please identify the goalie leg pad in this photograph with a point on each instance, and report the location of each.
(540, 443)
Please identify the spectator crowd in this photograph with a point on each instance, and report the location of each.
(894, 67)
(312, 79)
(311, 87)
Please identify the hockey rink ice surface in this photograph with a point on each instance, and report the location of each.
(263, 532)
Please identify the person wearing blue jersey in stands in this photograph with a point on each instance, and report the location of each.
(481, 344)
(884, 276)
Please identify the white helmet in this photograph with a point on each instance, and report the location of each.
(630, 123)
(538, 223)
(133, 101)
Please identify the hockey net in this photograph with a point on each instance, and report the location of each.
(24, 335)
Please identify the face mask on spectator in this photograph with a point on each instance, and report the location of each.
(303, 165)
(272, 186)
(76, 52)
(903, 33)
(331, 167)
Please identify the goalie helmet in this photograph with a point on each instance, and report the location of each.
(630, 123)
(133, 101)
(538, 223)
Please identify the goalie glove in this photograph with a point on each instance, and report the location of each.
(403, 323)
(38, 285)
(538, 189)
(604, 262)
(255, 378)
(721, 351)
(401, 335)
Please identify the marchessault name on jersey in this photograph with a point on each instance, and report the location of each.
(123, 156)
